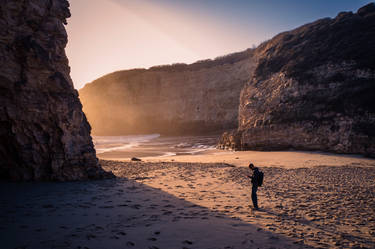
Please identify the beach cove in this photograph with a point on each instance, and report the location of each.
(199, 200)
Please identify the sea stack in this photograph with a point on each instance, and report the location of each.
(44, 135)
(313, 89)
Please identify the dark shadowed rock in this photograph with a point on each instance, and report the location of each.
(367, 10)
(230, 140)
(199, 98)
(44, 134)
(313, 89)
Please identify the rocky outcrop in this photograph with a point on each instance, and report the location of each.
(178, 99)
(313, 89)
(44, 134)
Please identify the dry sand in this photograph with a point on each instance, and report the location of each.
(309, 200)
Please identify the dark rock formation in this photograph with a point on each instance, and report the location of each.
(44, 134)
(178, 99)
(313, 89)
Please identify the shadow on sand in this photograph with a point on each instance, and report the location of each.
(118, 213)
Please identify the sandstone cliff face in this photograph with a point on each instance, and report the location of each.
(313, 89)
(44, 134)
(179, 99)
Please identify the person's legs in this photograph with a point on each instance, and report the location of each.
(254, 196)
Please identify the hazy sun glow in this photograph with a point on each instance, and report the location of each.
(114, 36)
(109, 35)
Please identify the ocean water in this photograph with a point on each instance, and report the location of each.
(164, 145)
(115, 143)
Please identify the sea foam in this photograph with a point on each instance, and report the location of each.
(114, 143)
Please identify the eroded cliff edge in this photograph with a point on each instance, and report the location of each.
(178, 99)
(313, 89)
(44, 134)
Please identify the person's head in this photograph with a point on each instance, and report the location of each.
(251, 166)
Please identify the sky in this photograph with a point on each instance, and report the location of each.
(110, 35)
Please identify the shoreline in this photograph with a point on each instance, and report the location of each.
(285, 159)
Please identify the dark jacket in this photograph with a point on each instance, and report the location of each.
(255, 177)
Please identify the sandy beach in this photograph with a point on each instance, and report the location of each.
(321, 207)
(121, 124)
(327, 201)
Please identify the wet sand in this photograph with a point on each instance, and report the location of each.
(283, 159)
(196, 205)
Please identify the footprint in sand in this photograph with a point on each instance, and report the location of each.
(132, 188)
(187, 242)
(169, 206)
(130, 244)
(106, 207)
(273, 238)
(98, 228)
(136, 206)
(90, 236)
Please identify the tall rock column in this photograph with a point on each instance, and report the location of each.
(44, 135)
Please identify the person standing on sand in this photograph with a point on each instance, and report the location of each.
(254, 180)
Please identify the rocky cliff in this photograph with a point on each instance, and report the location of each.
(177, 99)
(313, 89)
(44, 134)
